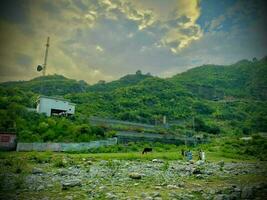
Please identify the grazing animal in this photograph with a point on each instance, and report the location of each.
(146, 150)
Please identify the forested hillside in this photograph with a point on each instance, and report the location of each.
(208, 99)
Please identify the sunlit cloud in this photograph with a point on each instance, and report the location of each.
(105, 39)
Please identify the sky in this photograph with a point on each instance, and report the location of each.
(96, 40)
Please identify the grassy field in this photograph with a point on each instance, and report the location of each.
(105, 174)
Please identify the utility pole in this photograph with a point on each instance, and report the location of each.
(45, 57)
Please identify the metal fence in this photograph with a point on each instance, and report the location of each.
(98, 121)
(131, 136)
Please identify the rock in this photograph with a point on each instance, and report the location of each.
(200, 162)
(102, 187)
(196, 171)
(211, 191)
(143, 194)
(135, 175)
(199, 176)
(155, 194)
(247, 193)
(221, 163)
(148, 198)
(69, 197)
(219, 197)
(71, 183)
(63, 172)
(40, 187)
(235, 195)
(157, 161)
(191, 161)
(208, 172)
(110, 195)
(89, 162)
(181, 184)
(37, 171)
(172, 187)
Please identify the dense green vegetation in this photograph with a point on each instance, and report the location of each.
(225, 100)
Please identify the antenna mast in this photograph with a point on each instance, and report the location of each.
(46, 54)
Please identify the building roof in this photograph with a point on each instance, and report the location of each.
(56, 98)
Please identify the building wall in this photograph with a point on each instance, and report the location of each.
(7, 141)
(45, 105)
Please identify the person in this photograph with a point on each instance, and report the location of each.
(189, 155)
(199, 154)
(202, 155)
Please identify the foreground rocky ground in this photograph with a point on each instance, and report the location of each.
(70, 177)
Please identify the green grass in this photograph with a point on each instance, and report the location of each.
(56, 158)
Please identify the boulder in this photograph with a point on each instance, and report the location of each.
(135, 175)
(247, 193)
(37, 171)
(200, 162)
(172, 187)
(71, 183)
(157, 161)
(110, 195)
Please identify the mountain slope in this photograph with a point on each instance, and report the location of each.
(128, 80)
(49, 85)
(244, 79)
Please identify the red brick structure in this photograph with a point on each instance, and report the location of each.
(7, 141)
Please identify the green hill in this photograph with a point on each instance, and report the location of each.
(244, 79)
(208, 99)
(49, 85)
(128, 80)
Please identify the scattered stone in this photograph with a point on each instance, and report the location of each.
(37, 171)
(200, 162)
(199, 176)
(69, 197)
(143, 194)
(219, 197)
(63, 172)
(191, 162)
(157, 161)
(221, 163)
(135, 175)
(40, 187)
(155, 194)
(89, 162)
(110, 195)
(71, 183)
(247, 193)
(172, 187)
(102, 187)
(148, 198)
(181, 184)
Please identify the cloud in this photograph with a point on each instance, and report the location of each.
(105, 39)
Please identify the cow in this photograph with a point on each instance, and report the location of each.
(147, 150)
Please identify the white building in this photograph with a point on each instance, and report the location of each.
(54, 106)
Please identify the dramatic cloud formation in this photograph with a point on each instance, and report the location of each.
(105, 39)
